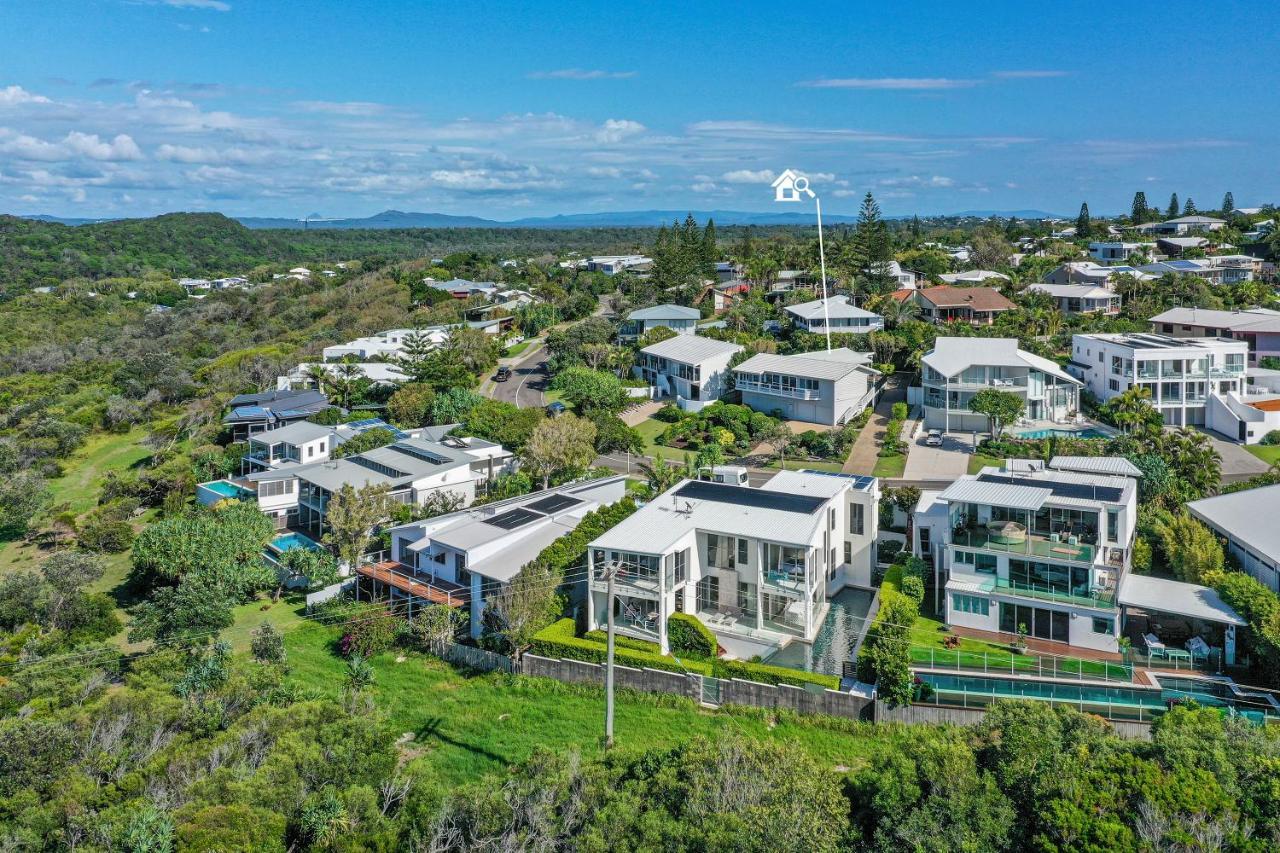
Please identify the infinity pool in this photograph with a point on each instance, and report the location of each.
(291, 540)
(834, 642)
(228, 489)
(1059, 433)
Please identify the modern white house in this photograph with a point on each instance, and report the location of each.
(614, 264)
(1091, 272)
(823, 387)
(689, 368)
(971, 277)
(1183, 225)
(756, 565)
(957, 368)
(386, 344)
(464, 558)
(303, 442)
(680, 319)
(835, 314)
(304, 375)
(1118, 252)
(1257, 327)
(1181, 373)
(1236, 517)
(1217, 269)
(1080, 298)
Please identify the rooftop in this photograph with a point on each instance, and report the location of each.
(1248, 319)
(1237, 514)
(665, 312)
(1151, 341)
(834, 364)
(833, 306)
(951, 356)
(977, 298)
(691, 349)
(1170, 596)
(1079, 291)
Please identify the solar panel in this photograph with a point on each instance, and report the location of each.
(514, 518)
(1081, 491)
(554, 503)
(419, 453)
(747, 496)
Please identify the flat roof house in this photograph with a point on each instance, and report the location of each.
(304, 442)
(977, 306)
(678, 318)
(1118, 252)
(824, 387)
(958, 368)
(464, 558)
(969, 277)
(756, 565)
(1183, 225)
(384, 344)
(1219, 269)
(1257, 327)
(252, 413)
(1181, 373)
(614, 264)
(692, 369)
(835, 314)
(1246, 519)
(1080, 298)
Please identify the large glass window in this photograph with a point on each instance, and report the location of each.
(1040, 622)
(709, 593)
(856, 519)
(1049, 577)
(970, 604)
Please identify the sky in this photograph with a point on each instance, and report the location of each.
(506, 110)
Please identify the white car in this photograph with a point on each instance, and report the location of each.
(933, 438)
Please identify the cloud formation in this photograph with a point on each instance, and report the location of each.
(890, 83)
(580, 74)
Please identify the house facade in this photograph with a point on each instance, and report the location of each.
(958, 368)
(824, 387)
(680, 319)
(1080, 298)
(835, 314)
(689, 368)
(1181, 374)
(977, 306)
(1118, 252)
(756, 565)
(1259, 328)
(253, 413)
(1234, 517)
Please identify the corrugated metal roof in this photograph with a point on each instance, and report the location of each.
(1116, 465)
(836, 306)
(1183, 599)
(1243, 516)
(996, 494)
(822, 365)
(665, 312)
(691, 349)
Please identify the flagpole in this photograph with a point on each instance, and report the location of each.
(822, 260)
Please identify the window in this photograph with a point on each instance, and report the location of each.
(747, 598)
(970, 604)
(848, 551)
(985, 564)
(743, 548)
(311, 450)
(275, 488)
(1113, 525)
(1113, 385)
(709, 593)
(1103, 626)
(464, 578)
(831, 517)
(925, 544)
(856, 522)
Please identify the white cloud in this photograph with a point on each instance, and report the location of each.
(342, 108)
(580, 74)
(122, 147)
(616, 130)
(888, 83)
(1028, 74)
(212, 155)
(746, 176)
(207, 5)
(704, 187)
(12, 96)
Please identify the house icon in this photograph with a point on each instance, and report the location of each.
(788, 186)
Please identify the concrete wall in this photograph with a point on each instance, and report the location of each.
(934, 715)
(583, 672)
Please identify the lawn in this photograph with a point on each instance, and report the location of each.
(977, 462)
(1268, 453)
(890, 466)
(80, 485)
(286, 614)
(801, 464)
(514, 351)
(475, 724)
(649, 430)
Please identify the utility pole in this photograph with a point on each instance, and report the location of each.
(610, 571)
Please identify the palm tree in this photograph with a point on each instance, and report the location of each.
(661, 474)
(1131, 408)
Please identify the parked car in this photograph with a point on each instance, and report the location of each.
(933, 438)
(503, 374)
(556, 409)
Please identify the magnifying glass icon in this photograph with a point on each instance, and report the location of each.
(802, 186)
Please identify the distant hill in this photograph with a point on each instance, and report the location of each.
(386, 219)
(61, 220)
(1012, 214)
(607, 219)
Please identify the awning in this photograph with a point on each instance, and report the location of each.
(996, 494)
(1182, 599)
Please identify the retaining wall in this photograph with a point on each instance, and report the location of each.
(938, 715)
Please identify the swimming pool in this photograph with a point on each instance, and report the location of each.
(228, 489)
(291, 540)
(1059, 433)
(839, 631)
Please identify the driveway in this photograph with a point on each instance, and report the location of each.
(1237, 463)
(862, 456)
(938, 464)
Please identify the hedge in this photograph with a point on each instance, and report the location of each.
(559, 640)
(619, 641)
(687, 635)
(766, 674)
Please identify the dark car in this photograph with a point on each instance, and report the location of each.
(503, 374)
(556, 409)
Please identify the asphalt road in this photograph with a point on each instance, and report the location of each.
(528, 380)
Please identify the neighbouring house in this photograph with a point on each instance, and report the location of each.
(825, 387)
(305, 442)
(614, 264)
(253, 413)
(958, 368)
(1257, 327)
(756, 565)
(1177, 245)
(461, 288)
(1080, 298)
(413, 469)
(1181, 373)
(386, 344)
(969, 277)
(1235, 517)
(1118, 252)
(901, 277)
(1243, 416)
(190, 284)
(977, 306)
(787, 281)
(1183, 225)
(1217, 269)
(377, 372)
(1090, 272)
(835, 314)
(464, 558)
(1046, 551)
(692, 369)
(680, 319)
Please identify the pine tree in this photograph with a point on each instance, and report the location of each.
(871, 249)
(1082, 221)
(1139, 212)
(1173, 207)
(1228, 204)
(710, 249)
(1189, 209)
(915, 226)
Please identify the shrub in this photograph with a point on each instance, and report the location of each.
(1272, 437)
(559, 640)
(601, 636)
(766, 674)
(368, 633)
(687, 634)
(913, 588)
(899, 411)
(668, 414)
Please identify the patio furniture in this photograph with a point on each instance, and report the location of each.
(1178, 655)
(1053, 537)
(1153, 644)
(1198, 648)
(1006, 532)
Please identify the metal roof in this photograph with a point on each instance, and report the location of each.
(665, 312)
(996, 494)
(833, 365)
(1115, 465)
(1170, 596)
(835, 306)
(691, 349)
(1247, 517)
(298, 432)
(951, 356)
(1059, 488)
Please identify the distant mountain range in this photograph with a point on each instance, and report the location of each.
(608, 219)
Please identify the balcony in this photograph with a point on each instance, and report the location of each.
(777, 390)
(628, 581)
(1052, 547)
(1084, 596)
(787, 579)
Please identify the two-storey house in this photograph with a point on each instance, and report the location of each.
(692, 369)
(824, 387)
(680, 319)
(836, 315)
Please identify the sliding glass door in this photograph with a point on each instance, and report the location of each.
(1040, 622)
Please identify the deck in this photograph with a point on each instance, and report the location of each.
(400, 577)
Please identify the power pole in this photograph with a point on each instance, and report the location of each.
(611, 570)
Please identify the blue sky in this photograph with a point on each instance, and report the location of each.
(258, 107)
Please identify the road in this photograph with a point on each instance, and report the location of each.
(528, 379)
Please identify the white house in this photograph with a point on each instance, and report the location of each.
(974, 277)
(680, 319)
(1181, 374)
(384, 344)
(824, 387)
(1244, 417)
(958, 368)
(614, 264)
(463, 558)
(1090, 272)
(836, 314)
(692, 369)
(1218, 269)
(1236, 517)
(1080, 298)
(303, 442)
(1118, 251)
(1183, 225)
(377, 372)
(756, 565)
(1257, 327)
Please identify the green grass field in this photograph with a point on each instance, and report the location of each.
(801, 464)
(516, 350)
(890, 466)
(476, 724)
(1268, 453)
(649, 430)
(977, 462)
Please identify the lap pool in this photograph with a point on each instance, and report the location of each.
(831, 647)
(291, 540)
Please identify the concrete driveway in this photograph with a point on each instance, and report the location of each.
(1237, 463)
(939, 464)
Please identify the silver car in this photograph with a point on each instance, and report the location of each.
(933, 438)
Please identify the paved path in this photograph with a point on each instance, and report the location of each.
(862, 456)
(639, 414)
(945, 463)
(1237, 463)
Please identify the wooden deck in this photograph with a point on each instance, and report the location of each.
(401, 577)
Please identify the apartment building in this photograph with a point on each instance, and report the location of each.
(756, 565)
(1257, 327)
(691, 369)
(1181, 374)
(824, 387)
(835, 314)
(957, 368)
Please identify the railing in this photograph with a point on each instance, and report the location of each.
(1093, 597)
(1176, 659)
(981, 700)
(1013, 663)
(786, 581)
(777, 390)
(1052, 547)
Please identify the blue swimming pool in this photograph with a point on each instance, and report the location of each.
(835, 639)
(228, 489)
(1059, 433)
(291, 540)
